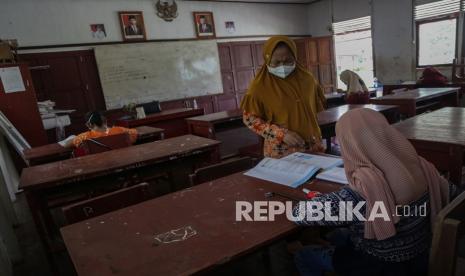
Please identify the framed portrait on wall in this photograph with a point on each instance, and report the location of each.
(132, 25)
(98, 31)
(204, 24)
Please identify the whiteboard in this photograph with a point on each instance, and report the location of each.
(143, 72)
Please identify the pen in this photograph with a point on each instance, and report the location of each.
(310, 194)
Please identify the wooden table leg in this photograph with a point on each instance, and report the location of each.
(328, 144)
(457, 161)
(36, 208)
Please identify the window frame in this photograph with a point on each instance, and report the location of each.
(432, 20)
(372, 49)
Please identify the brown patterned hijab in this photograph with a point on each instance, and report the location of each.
(382, 165)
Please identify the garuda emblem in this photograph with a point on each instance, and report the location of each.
(167, 9)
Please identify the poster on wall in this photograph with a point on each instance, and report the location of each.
(132, 25)
(12, 80)
(230, 28)
(98, 31)
(204, 24)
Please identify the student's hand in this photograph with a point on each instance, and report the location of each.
(293, 139)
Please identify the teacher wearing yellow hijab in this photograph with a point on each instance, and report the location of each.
(282, 102)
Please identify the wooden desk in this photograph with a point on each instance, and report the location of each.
(327, 119)
(439, 137)
(337, 99)
(55, 152)
(124, 243)
(147, 134)
(225, 126)
(420, 100)
(171, 120)
(83, 173)
(410, 85)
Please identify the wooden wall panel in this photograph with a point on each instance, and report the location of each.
(243, 79)
(312, 51)
(241, 61)
(320, 60)
(243, 55)
(226, 102)
(301, 51)
(228, 82)
(225, 56)
(258, 56)
(324, 50)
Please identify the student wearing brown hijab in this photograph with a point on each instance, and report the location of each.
(382, 167)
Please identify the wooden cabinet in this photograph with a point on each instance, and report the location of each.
(21, 109)
(241, 61)
(319, 60)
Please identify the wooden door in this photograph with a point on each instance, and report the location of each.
(21, 109)
(301, 52)
(326, 69)
(258, 55)
(227, 100)
(71, 80)
(243, 54)
(317, 55)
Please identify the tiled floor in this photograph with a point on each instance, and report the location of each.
(34, 261)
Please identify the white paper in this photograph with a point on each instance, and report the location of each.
(322, 162)
(336, 174)
(140, 112)
(12, 79)
(283, 172)
(63, 143)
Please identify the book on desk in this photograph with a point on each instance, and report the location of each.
(297, 168)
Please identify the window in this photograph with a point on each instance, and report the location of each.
(436, 42)
(437, 32)
(353, 49)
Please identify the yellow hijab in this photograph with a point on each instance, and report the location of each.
(291, 103)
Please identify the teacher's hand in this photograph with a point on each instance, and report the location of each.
(293, 139)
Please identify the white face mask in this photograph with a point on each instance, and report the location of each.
(281, 71)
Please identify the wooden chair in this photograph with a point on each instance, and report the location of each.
(225, 168)
(106, 203)
(449, 228)
(106, 143)
(458, 68)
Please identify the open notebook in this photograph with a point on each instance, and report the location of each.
(293, 170)
(336, 174)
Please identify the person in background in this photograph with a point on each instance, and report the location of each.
(381, 166)
(97, 125)
(133, 28)
(204, 27)
(357, 92)
(432, 77)
(282, 102)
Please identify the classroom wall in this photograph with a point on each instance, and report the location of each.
(67, 21)
(393, 40)
(392, 28)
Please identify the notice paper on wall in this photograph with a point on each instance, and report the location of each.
(12, 80)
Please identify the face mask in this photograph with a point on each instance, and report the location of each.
(281, 71)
